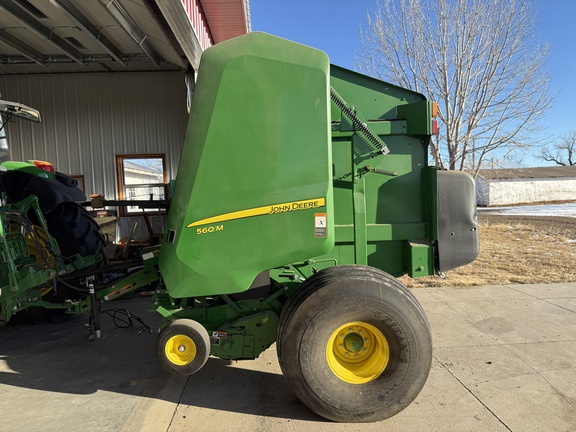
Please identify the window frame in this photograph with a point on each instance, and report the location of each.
(81, 181)
(122, 186)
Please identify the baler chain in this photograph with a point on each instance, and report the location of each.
(359, 125)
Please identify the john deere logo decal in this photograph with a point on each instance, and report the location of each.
(261, 211)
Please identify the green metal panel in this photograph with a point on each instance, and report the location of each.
(396, 214)
(420, 258)
(255, 179)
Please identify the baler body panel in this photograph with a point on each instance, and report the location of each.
(397, 199)
(254, 187)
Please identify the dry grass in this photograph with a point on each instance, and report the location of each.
(516, 250)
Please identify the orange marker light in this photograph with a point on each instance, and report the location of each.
(43, 165)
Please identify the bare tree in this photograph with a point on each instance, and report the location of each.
(563, 152)
(478, 59)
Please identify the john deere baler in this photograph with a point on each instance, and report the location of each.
(303, 189)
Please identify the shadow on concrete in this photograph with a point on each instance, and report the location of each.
(57, 357)
(222, 386)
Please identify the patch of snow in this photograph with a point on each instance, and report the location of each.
(564, 210)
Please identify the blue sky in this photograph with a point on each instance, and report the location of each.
(334, 27)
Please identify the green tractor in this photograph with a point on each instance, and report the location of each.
(44, 233)
(303, 191)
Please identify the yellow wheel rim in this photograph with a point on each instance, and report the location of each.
(180, 350)
(39, 238)
(357, 352)
(35, 239)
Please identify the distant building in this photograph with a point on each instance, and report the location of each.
(525, 185)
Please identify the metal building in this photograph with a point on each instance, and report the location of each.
(525, 185)
(111, 78)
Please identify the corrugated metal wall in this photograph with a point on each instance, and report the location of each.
(88, 118)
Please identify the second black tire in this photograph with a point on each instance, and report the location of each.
(354, 345)
(76, 233)
(74, 230)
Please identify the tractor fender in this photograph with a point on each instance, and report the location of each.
(50, 191)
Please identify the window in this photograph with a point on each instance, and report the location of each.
(80, 179)
(141, 177)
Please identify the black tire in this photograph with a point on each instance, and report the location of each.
(76, 233)
(378, 321)
(74, 230)
(183, 347)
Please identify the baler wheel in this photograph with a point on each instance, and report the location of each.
(183, 347)
(354, 344)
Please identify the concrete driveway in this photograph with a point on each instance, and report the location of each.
(504, 360)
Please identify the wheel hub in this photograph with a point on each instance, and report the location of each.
(357, 352)
(354, 342)
(180, 350)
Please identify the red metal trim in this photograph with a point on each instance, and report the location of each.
(199, 24)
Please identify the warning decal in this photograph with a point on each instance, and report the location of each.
(320, 225)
